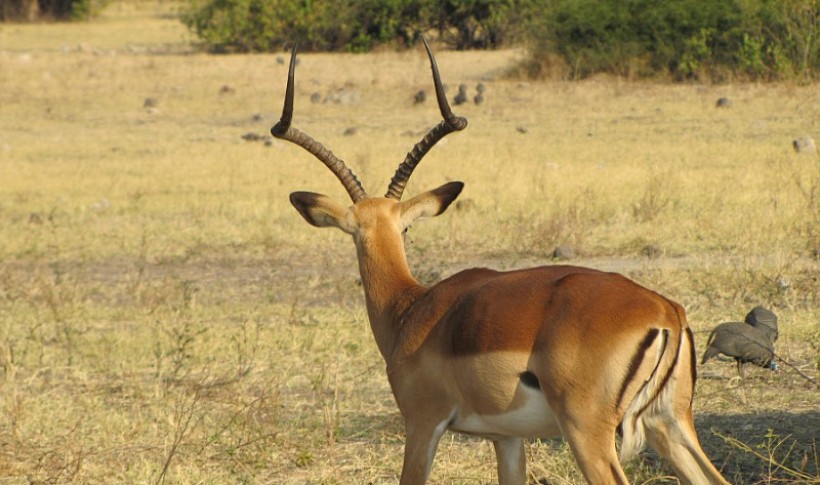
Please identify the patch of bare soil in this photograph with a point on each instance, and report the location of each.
(290, 273)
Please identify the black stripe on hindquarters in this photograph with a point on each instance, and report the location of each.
(635, 363)
(669, 373)
(529, 379)
(692, 362)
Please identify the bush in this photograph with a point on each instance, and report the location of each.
(683, 39)
(686, 39)
(320, 25)
(350, 25)
(478, 24)
(780, 39)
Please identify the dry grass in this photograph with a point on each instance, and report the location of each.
(166, 317)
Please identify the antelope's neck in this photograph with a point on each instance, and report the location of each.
(389, 287)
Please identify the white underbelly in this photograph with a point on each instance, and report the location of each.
(534, 419)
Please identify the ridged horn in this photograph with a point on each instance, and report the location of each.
(283, 130)
(449, 124)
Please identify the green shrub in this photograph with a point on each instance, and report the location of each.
(780, 38)
(318, 25)
(383, 21)
(683, 39)
(351, 25)
(244, 25)
(478, 24)
(686, 39)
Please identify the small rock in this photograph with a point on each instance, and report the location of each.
(420, 97)
(315, 98)
(804, 144)
(350, 131)
(521, 129)
(652, 251)
(563, 253)
(465, 205)
(225, 89)
(344, 96)
(100, 205)
(250, 136)
(723, 103)
(150, 103)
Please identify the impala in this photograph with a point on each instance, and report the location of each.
(532, 353)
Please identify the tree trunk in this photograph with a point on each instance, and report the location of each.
(32, 10)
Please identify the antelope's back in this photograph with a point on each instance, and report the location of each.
(554, 306)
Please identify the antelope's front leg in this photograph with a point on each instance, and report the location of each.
(512, 462)
(420, 446)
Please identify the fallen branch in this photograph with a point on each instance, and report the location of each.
(781, 359)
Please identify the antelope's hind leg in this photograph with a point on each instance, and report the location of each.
(594, 450)
(674, 438)
(670, 427)
(512, 461)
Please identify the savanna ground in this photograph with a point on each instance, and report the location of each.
(167, 317)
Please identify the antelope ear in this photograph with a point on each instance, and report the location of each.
(320, 211)
(430, 203)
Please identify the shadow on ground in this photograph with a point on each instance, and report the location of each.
(740, 445)
(763, 447)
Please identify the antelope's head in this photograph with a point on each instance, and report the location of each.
(388, 214)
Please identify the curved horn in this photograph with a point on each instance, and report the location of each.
(450, 124)
(283, 130)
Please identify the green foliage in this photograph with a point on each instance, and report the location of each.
(386, 20)
(477, 24)
(768, 39)
(684, 39)
(239, 25)
(262, 25)
(318, 25)
(86, 9)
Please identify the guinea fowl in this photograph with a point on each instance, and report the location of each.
(744, 343)
(461, 97)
